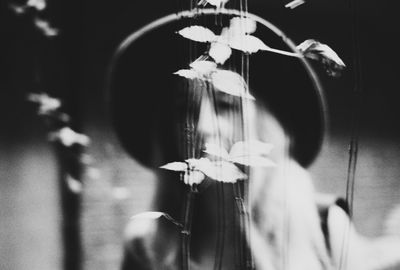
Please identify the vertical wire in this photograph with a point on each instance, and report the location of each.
(354, 139)
(190, 150)
(239, 196)
(220, 192)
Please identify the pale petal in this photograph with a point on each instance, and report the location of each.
(175, 166)
(231, 83)
(220, 52)
(197, 33)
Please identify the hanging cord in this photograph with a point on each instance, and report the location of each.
(354, 139)
(219, 249)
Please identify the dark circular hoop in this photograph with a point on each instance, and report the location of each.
(128, 41)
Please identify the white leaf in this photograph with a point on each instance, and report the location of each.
(294, 4)
(193, 177)
(252, 153)
(220, 52)
(197, 33)
(216, 150)
(175, 166)
(242, 25)
(247, 43)
(197, 164)
(221, 171)
(216, 3)
(224, 171)
(149, 214)
(188, 74)
(204, 67)
(230, 83)
(316, 50)
(254, 161)
(156, 215)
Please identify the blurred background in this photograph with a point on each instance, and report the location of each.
(71, 65)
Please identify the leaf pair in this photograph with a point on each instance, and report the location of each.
(226, 81)
(236, 36)
(195, 170)
(248, 153)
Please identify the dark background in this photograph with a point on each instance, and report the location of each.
(73, 67)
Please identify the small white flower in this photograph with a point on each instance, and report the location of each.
(45, 27)
(74, 185)
(46, 103)
(37, 4)
(69, 137)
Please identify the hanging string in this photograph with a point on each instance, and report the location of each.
(354, 139)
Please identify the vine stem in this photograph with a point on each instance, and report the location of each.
(187, 228)
(245, 254)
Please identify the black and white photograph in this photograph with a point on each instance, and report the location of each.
(199, 135)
